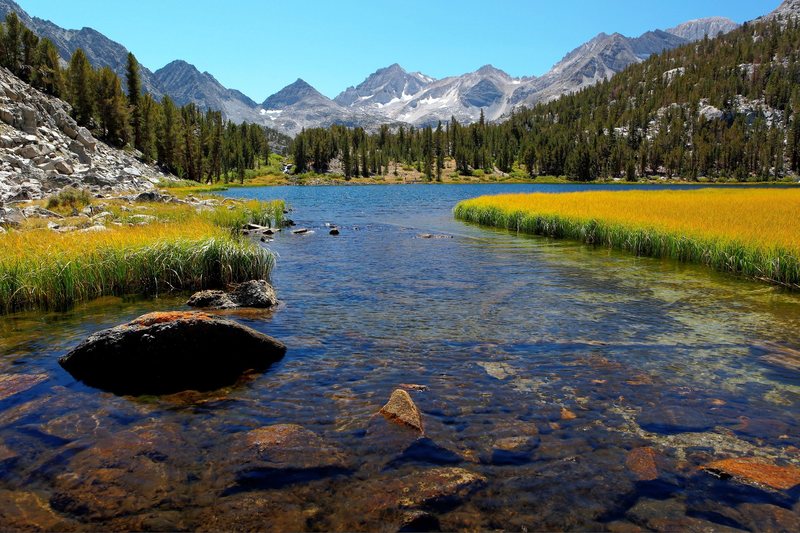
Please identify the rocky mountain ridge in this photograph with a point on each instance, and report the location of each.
(185, 84)
(389, 95)
(43, 150)
(695, 30)
(495, 93)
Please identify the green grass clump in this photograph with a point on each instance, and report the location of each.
(69, 198)
(253, 212)
(151, 269)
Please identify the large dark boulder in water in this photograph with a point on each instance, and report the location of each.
(162, 353)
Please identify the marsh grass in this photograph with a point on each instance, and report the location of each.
(182, 248)
(753, 232)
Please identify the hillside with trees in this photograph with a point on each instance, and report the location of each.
(185, 141)
(723, 108)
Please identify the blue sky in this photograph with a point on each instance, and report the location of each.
(260, 46)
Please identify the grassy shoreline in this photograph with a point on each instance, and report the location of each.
(741, 231)
(131, 248)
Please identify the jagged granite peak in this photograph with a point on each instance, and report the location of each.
(299, 105)
(697, 29)
(297, 92)
(385, 85)
(490, 70)
(100, 50)
(185, 84)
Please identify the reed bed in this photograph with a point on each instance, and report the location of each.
(749, 232)
(182, 248)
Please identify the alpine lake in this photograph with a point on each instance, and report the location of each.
(562, 387)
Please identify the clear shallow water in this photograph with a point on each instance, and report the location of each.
(546, 363)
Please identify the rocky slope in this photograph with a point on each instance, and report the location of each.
(787, 9)
(43, 150)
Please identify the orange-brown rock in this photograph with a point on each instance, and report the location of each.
(167, 352)
(642, 462)
(280, 454)
(401, 409)
(566, 414)
(756, 471)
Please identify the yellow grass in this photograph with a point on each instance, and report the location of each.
(173, 246)
(750, 231)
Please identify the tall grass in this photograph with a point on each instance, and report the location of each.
(69, 198)
(183, 249)
(753, 233)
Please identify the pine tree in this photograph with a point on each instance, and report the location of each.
(170, 136)
(299, 154)
(150, 118)
(111, 108)
(50, 79)
(427, 152)
(81, 88)
(346, 162)
(30, 64)
(134, 86)
(12, 44)
(439, 148)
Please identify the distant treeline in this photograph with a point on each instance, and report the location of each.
(192, 144)
(722, 108)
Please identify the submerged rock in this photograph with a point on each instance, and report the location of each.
(670, 419)
(757, 472)
(11, 384)
(642, 462)
(782, 357)
(161, 353)
(390, 503)
(401, 409)
(125, 473)
(28, 511)
(281, 454)
(433, 236)
(255, 293)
